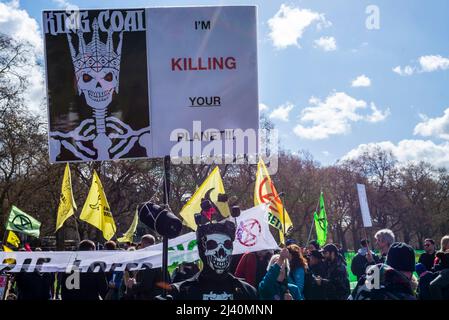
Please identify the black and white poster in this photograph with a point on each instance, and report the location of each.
(97, 85)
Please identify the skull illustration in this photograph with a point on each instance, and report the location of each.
(98, 87)
(218, 251)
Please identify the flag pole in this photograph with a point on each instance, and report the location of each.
(283, 216)
(165, 238)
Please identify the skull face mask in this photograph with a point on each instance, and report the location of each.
(215, 245)
(218, 251)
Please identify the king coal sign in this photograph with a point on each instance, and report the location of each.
(139, 83)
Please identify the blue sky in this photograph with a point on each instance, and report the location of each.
(311, 51)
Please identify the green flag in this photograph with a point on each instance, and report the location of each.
(321, 222)
(19, 221)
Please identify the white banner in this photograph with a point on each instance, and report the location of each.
(364, 206)
(65, 261)
(252, 234)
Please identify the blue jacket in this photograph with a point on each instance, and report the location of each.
(297, 277)
(271, 289)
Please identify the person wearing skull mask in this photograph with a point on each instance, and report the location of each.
(214, 282)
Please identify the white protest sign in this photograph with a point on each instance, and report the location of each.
(203, 78)
(253, 232)
(133, 83)
(364, 206)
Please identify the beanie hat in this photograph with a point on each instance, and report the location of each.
(401, 257)
(330, 248)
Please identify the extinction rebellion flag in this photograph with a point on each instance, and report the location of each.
(19, 221)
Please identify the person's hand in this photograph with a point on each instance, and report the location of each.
(111, 285)
(318, 280)
(288, 296)
(130, 283)
(369, 256)
(285, 254)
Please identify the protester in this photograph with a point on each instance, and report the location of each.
(316, 263)
(316, 269)
(276, 285)
(313, 246)
(34, 285)
(384, 239)
(425, 277)
(125, 292)
(445, 243)
(147, 283)
(298, 268)
(335, 282)
(439, 287)
(428, 257)
(392, 280)
(113, 278)
(359, 262)
(92, 285)
(252, 266)
(214, 282)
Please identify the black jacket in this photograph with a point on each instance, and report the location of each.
(359, 263)
(336, 282)
(210, 286)
(146, 287)
(92, 286)
(318, 269)
(427, 260)
(393, 285)
(34, 285)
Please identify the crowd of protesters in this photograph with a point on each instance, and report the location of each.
(291, 273)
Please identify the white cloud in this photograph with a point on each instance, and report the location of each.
(288, 25)
(18, 24)
(334, 116)
(433, 63)
(361, 81)
(409, 150)
(263, 107)
(377, 115)
(326, 43)
(437, 127)
(282, 112)
(406, 71)
(65, 5)
(428, 63)
(325, 153)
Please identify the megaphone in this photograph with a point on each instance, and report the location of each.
(160, 219)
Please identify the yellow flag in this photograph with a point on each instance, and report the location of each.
(6, 249)
(96, 209)
(129, 235)
(265, 192)
(13, 239)
(214, 184)
(67, 205)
